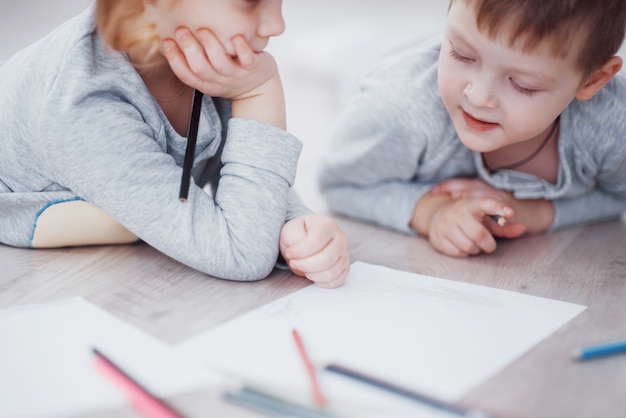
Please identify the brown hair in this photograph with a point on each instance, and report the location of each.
(603, 23)
(119, 24)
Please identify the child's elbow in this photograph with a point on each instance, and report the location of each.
(250, 267)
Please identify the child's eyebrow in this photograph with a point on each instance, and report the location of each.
(457, 38)
(541, 78)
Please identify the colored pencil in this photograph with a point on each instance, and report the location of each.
(142, 400)
(190, 152)
(271, 404)
(605, 350)
(405, 392)
(500, 220)
(318, 397)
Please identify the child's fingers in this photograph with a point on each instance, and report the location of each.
(310, 234)
(481, 207)
(332, 277)
(247, 57)
(457, 185)
(292, 233)
(216, 53)
(446, 246)
(178, 62)
(467, 237)
(317, 260)
(334, 283)
(459, 188)
(193, 51)
(308, 247)
(511, 230)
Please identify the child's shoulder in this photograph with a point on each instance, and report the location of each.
(598, 123)
(605, 111)
(408, 58)
(405, 75)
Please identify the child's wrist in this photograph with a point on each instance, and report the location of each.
(265, 103)
(536, 214)
(426, 211)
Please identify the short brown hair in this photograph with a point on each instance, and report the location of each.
(603, 21)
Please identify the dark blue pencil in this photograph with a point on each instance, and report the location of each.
(405, 392)
(500, 220)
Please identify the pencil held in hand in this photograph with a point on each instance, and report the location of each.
(318, 397)
(192, 136)
(500, 220)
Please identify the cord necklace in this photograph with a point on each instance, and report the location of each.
(534, 154)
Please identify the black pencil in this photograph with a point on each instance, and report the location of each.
(192, 136)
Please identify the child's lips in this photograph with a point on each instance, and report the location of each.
(478, 125)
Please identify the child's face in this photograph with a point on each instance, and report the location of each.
(498, 95)
(256, 20)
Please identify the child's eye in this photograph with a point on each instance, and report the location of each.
(523, 90)
(454, 54)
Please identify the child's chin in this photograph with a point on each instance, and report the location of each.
(474, 144)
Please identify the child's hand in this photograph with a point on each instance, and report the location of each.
(462, 227)
(467, 187)
(314, 247)
(249, 78)
(536, 215)
(202, 62)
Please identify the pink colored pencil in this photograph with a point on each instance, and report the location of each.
(142, 400)
(318, 397)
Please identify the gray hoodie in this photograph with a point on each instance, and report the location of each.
(77, 122)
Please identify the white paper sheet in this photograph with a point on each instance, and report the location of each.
(46, 363)
(435, 336)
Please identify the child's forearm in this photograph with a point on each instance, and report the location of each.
(425, 209)
(536, 214)
(266, 104)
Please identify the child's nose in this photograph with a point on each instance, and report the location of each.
(271, 22)
(480, 94)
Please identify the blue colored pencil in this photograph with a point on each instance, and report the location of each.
(269, 404)
(589, 353)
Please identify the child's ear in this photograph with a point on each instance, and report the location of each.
(599, 78)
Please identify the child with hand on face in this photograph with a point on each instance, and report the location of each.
(517, 112)
(94, 122)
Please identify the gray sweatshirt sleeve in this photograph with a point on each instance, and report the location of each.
(111, 159)
(388, 146)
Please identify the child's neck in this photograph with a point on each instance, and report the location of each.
(538, 156)
(172, 95)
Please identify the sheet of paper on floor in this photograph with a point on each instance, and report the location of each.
(46, 366)
(437, 336)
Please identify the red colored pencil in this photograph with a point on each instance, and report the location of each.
(318, 397)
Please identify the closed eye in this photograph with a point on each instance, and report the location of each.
(454, 54)
(525, 91)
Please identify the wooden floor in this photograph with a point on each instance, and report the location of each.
(584, 265)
